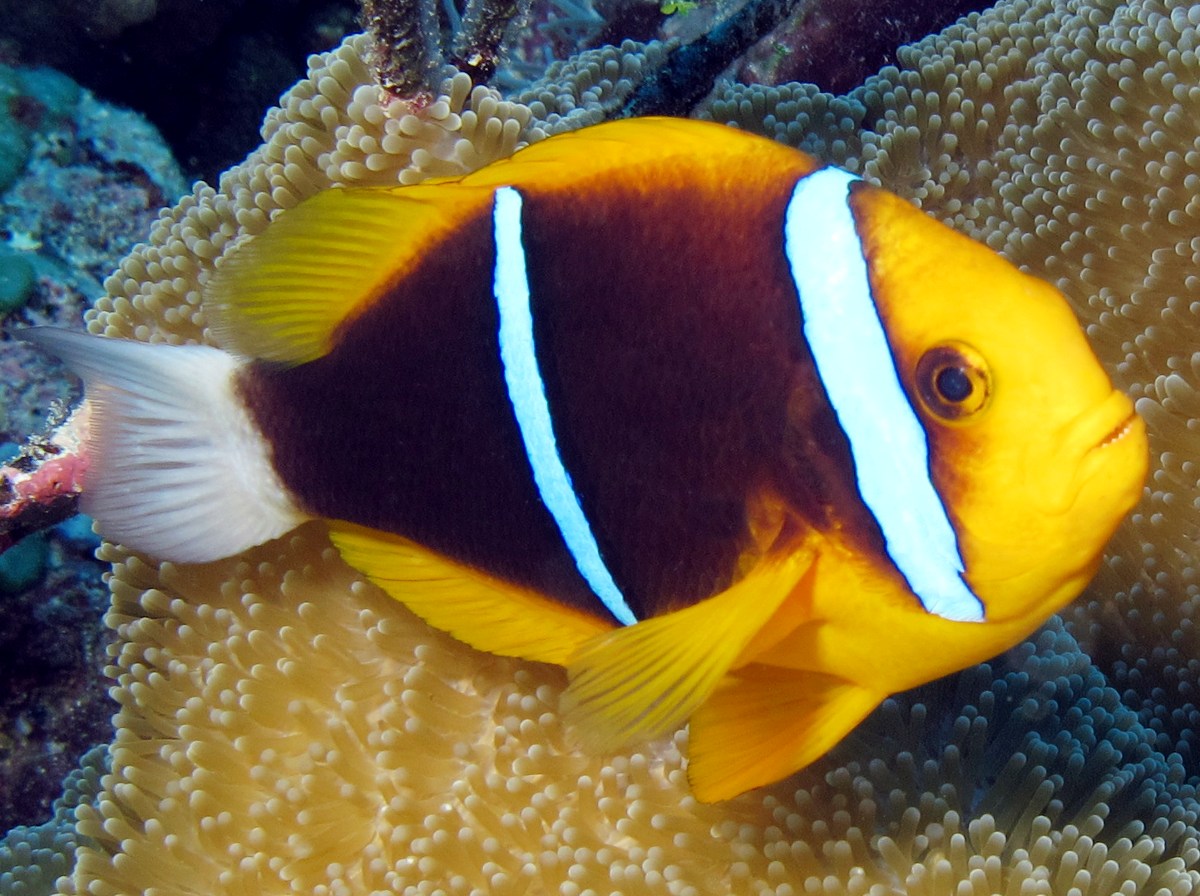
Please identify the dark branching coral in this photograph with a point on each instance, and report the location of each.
(406, 49)
(476, 48)
(690, 70)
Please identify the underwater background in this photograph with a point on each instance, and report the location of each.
(276, 725)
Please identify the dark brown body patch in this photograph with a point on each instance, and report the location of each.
(406, 426)
(669, 341)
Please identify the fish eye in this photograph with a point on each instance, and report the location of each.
(953, 381)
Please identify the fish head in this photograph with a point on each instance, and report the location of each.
(1034, 454)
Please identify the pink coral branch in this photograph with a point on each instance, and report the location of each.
(41, 486)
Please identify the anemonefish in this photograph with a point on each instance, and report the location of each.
(737, 439)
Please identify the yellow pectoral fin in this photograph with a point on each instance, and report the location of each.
(485, 612)
(638, 682)
(763, 723)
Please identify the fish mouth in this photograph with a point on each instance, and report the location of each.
(1096, 476)
(1095, 444)
(1121, 430)
(1106, 424)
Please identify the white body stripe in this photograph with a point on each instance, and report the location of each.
(527, 393)
(850, 348)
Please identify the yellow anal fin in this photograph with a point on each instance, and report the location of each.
(281, 295)
(485, 612)
(638, 682)
(762, 723)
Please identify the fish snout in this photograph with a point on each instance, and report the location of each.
(1107, 450)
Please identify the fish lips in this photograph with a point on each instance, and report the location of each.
(1108, 450)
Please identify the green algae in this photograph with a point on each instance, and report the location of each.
(30, 99)
(17, 281)
(22, 565)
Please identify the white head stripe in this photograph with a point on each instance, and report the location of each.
(850, 349)
(527, 393)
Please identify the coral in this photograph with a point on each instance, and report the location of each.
(91, 184)
(16, 282)
(406, 44)
(40, 486)
(201, 70)
(838, 45)
(32, 101)
(24, 564)
(477, 45)
(111, 17)
(691, 69)
(54, 703)
(32, 858)
(92, 181)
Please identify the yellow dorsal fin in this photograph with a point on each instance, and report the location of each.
(647, 147)
(281, 295)
(484, 612)
(762, 723)
(638, 682)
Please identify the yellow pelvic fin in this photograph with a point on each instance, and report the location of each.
(281, 295)
(638, 682)
(484, 612)
(763, 723)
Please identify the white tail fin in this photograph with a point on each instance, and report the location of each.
(176, 467)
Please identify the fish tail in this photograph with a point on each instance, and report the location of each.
(176, 467)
